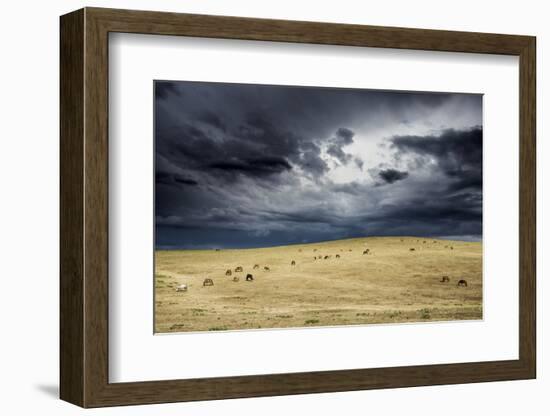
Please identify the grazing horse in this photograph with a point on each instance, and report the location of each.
(266, 268)
(462, 282)
(249, 277)
(444, 279)
(238, 269)
(208, 282)
(181, 288)
(327, 257)
(293, 263)
(236, 279)
(338, 256)
(451, 247)
(367, 251)
(228, 272)
(256, 266)
(411, 249)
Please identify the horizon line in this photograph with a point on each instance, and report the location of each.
(465, 238)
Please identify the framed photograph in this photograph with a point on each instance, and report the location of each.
(255, 207)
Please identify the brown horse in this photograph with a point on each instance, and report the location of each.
(208, 282)
(293, 263)
(256, 266)
(266, 268)
(249, 277)
(462, 282)
(444, 279)
(238, 269)
(236, 279)
(228, 272)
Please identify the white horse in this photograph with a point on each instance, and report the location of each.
(181, 288)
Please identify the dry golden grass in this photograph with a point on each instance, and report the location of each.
(391, 284)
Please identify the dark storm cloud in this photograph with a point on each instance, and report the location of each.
(434, 213)
(339, 154)
(164, 89)
(212, 119)
(452, 148)
(185, 181)
(310, 159)
(249, 165)
(457, 153)
(171, 179)
(255, 147)
(258, 167)
(392, 175)
(343, 137)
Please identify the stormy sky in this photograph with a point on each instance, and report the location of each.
(242, 165)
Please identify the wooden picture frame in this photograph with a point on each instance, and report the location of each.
(84, 207)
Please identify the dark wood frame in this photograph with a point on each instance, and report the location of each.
(84, 209)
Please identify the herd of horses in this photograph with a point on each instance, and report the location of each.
(250, 278)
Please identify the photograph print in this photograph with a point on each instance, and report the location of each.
(296, 206)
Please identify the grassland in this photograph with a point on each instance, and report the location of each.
(391, 284)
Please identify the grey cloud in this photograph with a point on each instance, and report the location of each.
(164, 89)
(174, 178)
(458, 154)
(343, 137)
(260, 166)
(392, 175)
(211, 119)
(250, 165)
(339, 154)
